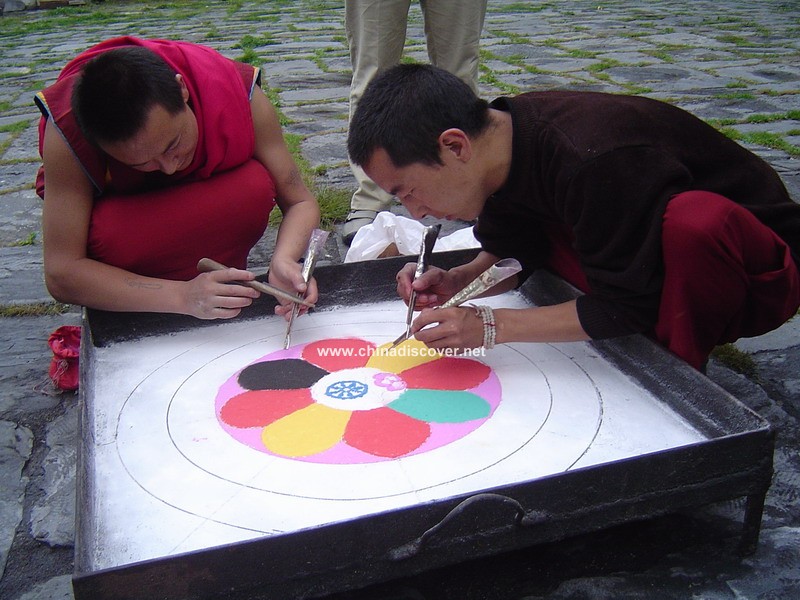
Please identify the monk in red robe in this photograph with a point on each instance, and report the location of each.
(155, 154)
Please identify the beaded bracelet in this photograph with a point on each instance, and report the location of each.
(489, 325)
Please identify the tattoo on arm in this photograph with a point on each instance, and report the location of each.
(143, 285)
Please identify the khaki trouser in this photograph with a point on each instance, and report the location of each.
(376, 32)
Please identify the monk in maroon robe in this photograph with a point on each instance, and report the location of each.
(130, 207)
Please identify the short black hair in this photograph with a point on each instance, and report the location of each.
(406, 108)
(117, 89)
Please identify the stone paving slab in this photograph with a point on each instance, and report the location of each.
(22, 213)
(722, 60)
(16, 445)
(22, 275)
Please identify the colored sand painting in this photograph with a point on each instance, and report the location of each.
(350, 401)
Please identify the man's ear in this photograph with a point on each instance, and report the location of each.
(184, 89)
(456, 143)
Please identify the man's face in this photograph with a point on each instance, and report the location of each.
(166, 143)
(440, 191)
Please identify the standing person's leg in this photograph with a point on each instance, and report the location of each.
(453, 31)
(726, 276)
(376, 33)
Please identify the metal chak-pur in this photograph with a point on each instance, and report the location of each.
(315, 245)
(425, 250)
(206, 265)
(500, 271)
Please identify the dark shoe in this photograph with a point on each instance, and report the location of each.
(355, 221)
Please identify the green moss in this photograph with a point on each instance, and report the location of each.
(334, 205)
(581, 53)
(17, 127)
(250, 57)
(736, 360)
(29, 240)
(250, 41)
(515, 38)
(720, 123)
(761, 118)
(636, 90)
(771, 140)
(601, 66)
(662, 55)
(40, 309)
(735, 96)
(737, 40)
(489, 78)
(732, 133)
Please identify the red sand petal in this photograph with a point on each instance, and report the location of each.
(385, 432)
(337, 354)
(447, 373)
(259, 408)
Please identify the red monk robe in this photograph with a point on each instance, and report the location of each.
(160, 225)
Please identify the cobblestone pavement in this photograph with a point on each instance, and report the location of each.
(734, 63)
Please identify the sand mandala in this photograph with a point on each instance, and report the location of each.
(215, 435)
(225, 411)
(350, 401)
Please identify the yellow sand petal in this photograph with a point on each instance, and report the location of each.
(410, 353)
(308, 431)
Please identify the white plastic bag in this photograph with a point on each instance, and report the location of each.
(371, 241)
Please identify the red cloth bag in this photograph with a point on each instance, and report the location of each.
(65, 343)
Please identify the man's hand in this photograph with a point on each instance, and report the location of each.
(433, 287)
(459, 328)
(287, 275)
(215, 295)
